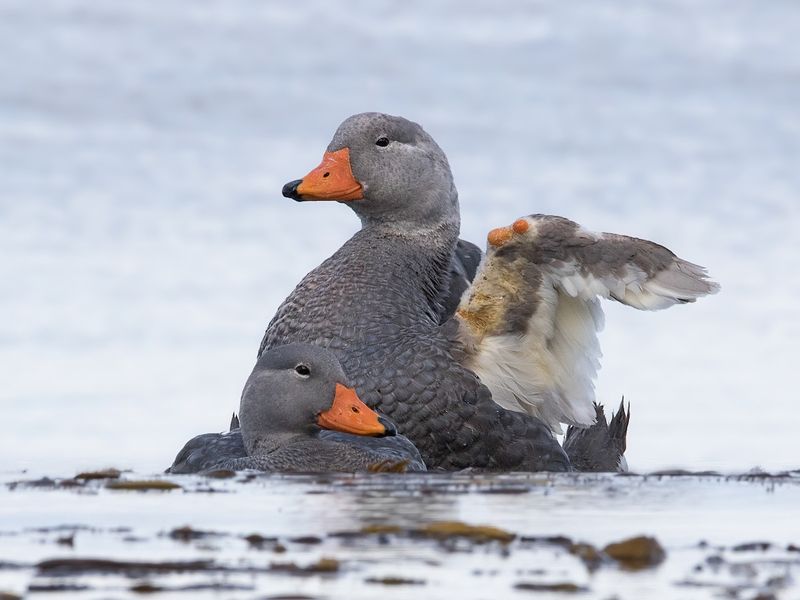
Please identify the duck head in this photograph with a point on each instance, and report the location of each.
(387, 169)
(294, 391)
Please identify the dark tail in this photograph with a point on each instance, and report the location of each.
(601, 447)
(618, 428)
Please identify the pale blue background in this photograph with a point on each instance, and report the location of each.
(144, 244)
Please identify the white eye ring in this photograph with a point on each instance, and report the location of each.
(303, 371)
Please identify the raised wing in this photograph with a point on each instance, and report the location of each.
(529, 321)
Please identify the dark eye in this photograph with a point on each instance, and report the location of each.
(302, 370)
(382, 142)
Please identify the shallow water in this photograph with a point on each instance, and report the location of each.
(707, 526)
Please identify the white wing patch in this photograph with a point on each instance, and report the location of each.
(548, 371)
(531, 317)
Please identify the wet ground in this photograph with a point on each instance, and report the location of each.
(401, 536)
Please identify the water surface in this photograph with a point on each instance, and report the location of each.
(737, 536)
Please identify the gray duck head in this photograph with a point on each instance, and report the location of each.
(388, 170)
(295, 390)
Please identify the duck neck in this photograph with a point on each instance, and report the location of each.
(408, 260)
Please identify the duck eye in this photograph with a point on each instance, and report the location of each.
(302, 370)
(382, 142)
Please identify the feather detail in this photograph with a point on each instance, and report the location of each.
(529, 322)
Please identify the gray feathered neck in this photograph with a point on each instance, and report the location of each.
(414, 260)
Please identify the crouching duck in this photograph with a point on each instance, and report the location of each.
(297, 415)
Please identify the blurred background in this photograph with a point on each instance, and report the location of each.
(145, 245)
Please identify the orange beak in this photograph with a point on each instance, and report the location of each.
(331, 180)
(350, 415)
(498, 237)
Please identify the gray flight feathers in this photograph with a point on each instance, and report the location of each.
(529, 322)
(204, 451)
(601, 447)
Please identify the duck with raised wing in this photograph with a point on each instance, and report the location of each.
(488, 386)
(373, 303)
(529, 322)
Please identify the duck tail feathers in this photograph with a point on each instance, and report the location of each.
(601, 447)
(618, 427)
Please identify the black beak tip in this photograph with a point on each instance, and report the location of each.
(391, 428)
(290, 190)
